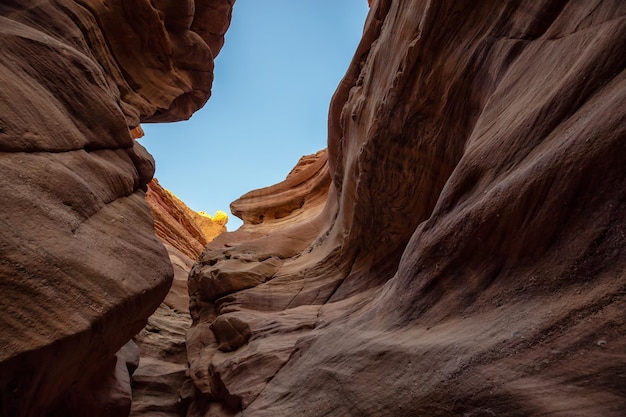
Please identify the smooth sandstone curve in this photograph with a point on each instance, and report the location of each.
(467, 259)
(80, 267)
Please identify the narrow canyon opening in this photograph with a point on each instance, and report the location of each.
(456, 250)
(273, 81)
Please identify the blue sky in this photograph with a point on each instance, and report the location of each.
(274, 79)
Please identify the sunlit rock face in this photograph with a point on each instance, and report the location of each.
(80, 267)
(466, 257)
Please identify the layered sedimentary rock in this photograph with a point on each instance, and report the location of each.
(305, 187)
(179, 226)
(466, 258)
(80, 267)
(162, 370)
(158, 380)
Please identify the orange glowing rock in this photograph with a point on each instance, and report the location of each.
(136, 132)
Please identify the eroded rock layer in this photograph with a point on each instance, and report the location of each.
(80, 267)
(179, 226)
(162, 370)
(158, 381)
(468, 258)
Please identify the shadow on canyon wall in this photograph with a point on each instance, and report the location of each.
(457, 250)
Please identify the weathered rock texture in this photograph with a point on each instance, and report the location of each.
(157, 383)
(467, 258)
(80, 267)
(162, 367)
(179, 226)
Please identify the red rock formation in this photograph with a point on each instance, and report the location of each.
(469, 259)
(306, 186)
(179, 226)
(80, 267)
(162, 370)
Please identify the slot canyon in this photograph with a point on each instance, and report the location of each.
(457, 250)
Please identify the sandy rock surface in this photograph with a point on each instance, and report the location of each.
(179, 226)
(158, 384)
(162, 370)
(467, 257)
(458, 250)
(80, 267)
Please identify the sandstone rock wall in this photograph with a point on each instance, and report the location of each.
(80, 267)
(162, 370)
(457, 250)
(177, 225)
(158, 382)
(468, 258)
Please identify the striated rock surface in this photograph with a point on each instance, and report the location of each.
(80, 267)
(179, 226)
(305, 187)
(157, 384)
(466, 257)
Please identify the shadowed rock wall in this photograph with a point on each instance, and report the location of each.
(158, 380)
(467, 257)
(457, 250)
(80, 267)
